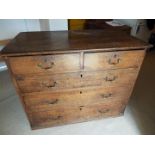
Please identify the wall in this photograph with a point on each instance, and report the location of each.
(11, 27)
(129, 22)
(58, 24)
(44, 24)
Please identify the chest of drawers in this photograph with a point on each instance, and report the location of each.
(73, 76)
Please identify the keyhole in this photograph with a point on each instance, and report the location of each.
(80, 92)
(45, 60)
(81, 107)
(115, 55)
(81, 75)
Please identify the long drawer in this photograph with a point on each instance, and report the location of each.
(45, 64)
(75, 99)
(64, 116)
(76, 80)
(113, 60)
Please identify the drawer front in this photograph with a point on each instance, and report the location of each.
(45, 64)
(73, 115)
(113, 60)
(75, 99)
(76, 80)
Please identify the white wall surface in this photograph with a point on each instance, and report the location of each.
(58, 24)
(44, 24)
(9, 28)
(129, 22)
(32, 24)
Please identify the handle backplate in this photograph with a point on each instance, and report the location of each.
(110, 78)
(106, 95)
(46, 65)
(49, 84)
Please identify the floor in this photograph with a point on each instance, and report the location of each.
(139, 117)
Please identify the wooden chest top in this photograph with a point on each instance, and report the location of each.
(51, 42)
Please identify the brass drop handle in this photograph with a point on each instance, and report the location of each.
(46, 65)
(110, 78)
(19, 78)
(57, 117)
(49, 85)
(53, 102)
(114, 61)
(106, 95)
(103, 111)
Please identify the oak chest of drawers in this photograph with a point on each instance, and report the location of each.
(73, 76)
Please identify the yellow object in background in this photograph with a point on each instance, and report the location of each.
(76, 24)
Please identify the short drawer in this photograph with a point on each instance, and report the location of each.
(72, 115)
(45, 64)
(75, 99)
(113, 60)
(76, 80)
